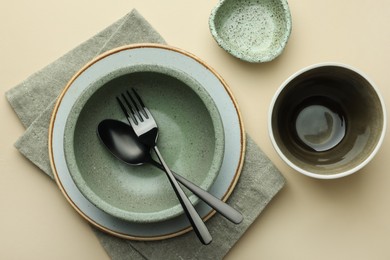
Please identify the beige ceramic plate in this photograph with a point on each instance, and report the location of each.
(224, 183)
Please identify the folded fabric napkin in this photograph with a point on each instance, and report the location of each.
(33, 101)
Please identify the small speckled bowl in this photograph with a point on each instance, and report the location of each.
(251, 30)
(191, 136)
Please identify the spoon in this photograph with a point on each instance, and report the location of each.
(122, 142)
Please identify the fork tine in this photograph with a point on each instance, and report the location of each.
(132, 110)
(138, 97)
(136, 106)
(122, 107)
(128, 104)
(141, 103)
(128, 113)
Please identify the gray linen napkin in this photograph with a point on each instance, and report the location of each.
(33, 101)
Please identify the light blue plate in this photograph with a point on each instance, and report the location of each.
(234, 141)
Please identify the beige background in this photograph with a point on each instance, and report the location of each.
(310, 219)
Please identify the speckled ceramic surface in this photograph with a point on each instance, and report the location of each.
(327, 120)
(191, 136)
(251, 30)
(222, 187)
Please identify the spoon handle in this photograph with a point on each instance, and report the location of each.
(223, 208)
(197, 223)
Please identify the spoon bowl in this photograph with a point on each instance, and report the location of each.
(121, 141)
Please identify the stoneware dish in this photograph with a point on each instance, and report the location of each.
(251, 30)
(327, 120)
(191, 137)
(233, 154)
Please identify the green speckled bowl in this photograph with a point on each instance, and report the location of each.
(251, 30)
(191, 136)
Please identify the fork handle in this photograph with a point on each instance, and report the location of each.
(197, 223)
(223, 208)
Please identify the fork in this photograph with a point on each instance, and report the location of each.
(145, 127)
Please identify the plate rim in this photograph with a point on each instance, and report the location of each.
(95, 60)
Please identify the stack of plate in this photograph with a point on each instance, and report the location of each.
(143, 193)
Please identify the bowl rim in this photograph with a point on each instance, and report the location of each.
(215, 163)
(312, 173)
(264, 58)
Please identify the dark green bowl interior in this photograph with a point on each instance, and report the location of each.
(353, 99)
